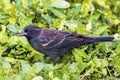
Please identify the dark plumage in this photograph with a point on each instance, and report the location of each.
(55, 43)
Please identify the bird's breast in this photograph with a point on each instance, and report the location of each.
(37, 46)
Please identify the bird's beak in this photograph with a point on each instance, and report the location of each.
(22, 34)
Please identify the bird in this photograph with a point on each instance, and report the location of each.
(55, 43)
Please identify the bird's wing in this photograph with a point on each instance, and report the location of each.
(51, 38)
(71, 41)
(68, 41)
(59, 39)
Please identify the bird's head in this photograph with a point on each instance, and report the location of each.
(30, 31)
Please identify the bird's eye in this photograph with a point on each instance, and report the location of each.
(26, 30)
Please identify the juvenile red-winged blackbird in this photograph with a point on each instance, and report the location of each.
(55, 43)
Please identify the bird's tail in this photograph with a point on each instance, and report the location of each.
(100, 39)
(103, 39)
(89, 40)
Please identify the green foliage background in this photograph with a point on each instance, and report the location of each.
(18, 61)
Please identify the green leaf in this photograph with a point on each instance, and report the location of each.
(12, 28)
(81, 52)
(77, 57)
(51, 75)
(75, 11)
(3, 35)
(38, 67)
(118, 48)
(18, 77)
(56, 78)
(38, 78)
(13, 40)
(72, 25)
(116, 61)
(100, 30)
(24, 42)
(73, 67)
(60, 4)
(104, 71)
(80, 29)
(27, 71)
(12, 60)
(6, 65)
(66, 76)
(57, 13)
(86, 7)
(48, 18)
(9, 8)
(49, 67)
(1, 50)
(12, 20)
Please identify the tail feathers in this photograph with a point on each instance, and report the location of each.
(89, 40)
(100, 39)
